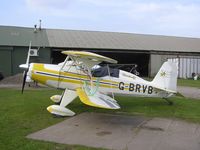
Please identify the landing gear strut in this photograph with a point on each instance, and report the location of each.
(168, 101)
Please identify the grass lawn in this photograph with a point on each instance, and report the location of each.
(189, 82)
(24, 114)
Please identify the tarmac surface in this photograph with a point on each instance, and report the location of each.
(190, 92)
(121, 132)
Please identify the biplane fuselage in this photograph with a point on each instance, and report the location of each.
(126, 84)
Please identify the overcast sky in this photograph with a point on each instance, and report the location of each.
(162, 17)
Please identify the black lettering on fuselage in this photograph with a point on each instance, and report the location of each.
(144, 88)
(137, 89)
(131, 87)
(150, 90)
(121, 85)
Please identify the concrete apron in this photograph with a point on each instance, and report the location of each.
(190, 92)
(123, 132)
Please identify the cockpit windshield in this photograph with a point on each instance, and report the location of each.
(105, 71)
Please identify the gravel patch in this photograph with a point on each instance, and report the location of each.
(13, 80)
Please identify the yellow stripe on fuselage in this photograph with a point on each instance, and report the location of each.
(73, 77)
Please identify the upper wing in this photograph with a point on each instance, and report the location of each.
(97, 100)
(87, 58)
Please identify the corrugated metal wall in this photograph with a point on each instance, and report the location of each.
(187, 66)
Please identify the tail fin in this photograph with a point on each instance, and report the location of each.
(166, 78)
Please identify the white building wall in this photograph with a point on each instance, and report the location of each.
(187, 66)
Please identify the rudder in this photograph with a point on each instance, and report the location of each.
(166, 78)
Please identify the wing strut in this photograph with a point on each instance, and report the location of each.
(61, 68)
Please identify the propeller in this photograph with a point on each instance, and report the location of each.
(26, 68)
(24, 80)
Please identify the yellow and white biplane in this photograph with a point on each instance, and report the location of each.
(81, 76)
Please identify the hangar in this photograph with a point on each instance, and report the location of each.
(147, 51)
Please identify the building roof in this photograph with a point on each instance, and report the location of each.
(57, 38)
(20, 36)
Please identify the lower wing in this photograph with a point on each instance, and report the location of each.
(97, 100)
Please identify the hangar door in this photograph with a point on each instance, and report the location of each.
(57, 57)
(140, 59)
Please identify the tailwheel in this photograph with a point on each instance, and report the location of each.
(168, 101)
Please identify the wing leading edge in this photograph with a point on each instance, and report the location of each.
(89, 56)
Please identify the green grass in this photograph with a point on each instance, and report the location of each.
(189, 82)
(24, 114)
